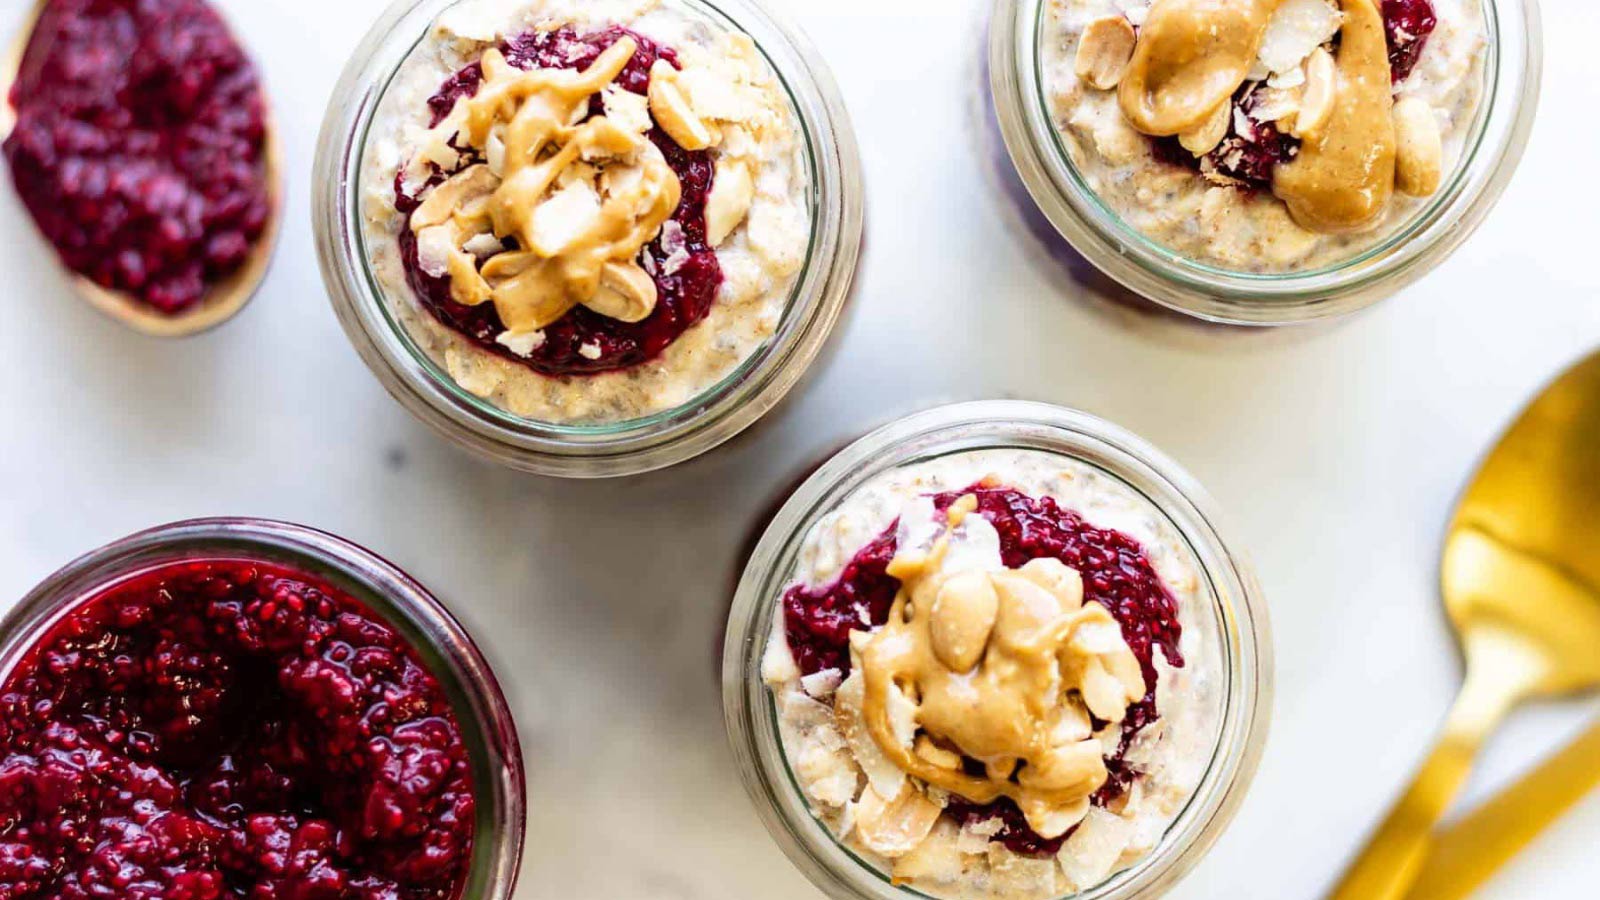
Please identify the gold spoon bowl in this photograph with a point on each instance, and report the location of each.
(1521, 583)
(225, 297)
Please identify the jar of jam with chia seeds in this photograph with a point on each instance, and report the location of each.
(233, 707)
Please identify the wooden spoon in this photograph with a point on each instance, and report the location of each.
(1521, 582)
(224, 298)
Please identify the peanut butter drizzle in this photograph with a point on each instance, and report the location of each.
(1190, 58)
(1344, 175)
(990, 658)
(580, 196)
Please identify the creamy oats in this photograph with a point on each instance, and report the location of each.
(987, 681)
(1232, 185)
(556, 220)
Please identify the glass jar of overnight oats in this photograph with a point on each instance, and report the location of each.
(270, 685)
(997, 649)
(1291, 160)
(587, 238)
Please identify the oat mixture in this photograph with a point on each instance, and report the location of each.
(888, 755)
(556, 203)
(1211, 184)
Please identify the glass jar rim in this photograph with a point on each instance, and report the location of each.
(1243, 627)
(653, 441)
(488, 726)
(1495, 144)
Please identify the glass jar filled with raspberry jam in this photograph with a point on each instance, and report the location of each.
(232, 708)
(1031, 485)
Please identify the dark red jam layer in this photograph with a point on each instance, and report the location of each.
(1407, 24)
(1253, 147)
(226, 729)
(684, 297)
(139, 145)
(1249, 152)
(1116, 574)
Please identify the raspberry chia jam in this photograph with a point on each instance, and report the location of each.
(227, 725)
(140, 146)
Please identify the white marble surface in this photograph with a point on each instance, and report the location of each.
(1336, 451)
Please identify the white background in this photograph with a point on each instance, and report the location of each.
(1334, 451)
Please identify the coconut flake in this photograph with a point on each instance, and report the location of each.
(1093, 850)
(885, 777)
(566, 216)
(484, 245)
(827, 774)
(435, 145)
(475, 20)
(821, 685)
(627, 109)
(676, 245)
(435, 247)
(1242, 126)
(777, 663)
(521, 344)
(1014, 875)
(902, 715)
(975, 836)
(1293, 78)
(937, 860)
(1297, 28)
(494, 153)
(1274, 104)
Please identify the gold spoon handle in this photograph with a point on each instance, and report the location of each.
(1467, 853)
(1500, 673)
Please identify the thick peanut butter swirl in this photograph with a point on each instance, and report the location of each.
(1192, 57)
(1005, 668)
(577, 196)
(1344, 175)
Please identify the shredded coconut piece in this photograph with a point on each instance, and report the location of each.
(821, 685)
(1297, 28)
(1093, 850)
(521, 344)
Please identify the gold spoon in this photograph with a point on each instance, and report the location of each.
(223, 298)
(1521, 582)
(1468, 852)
